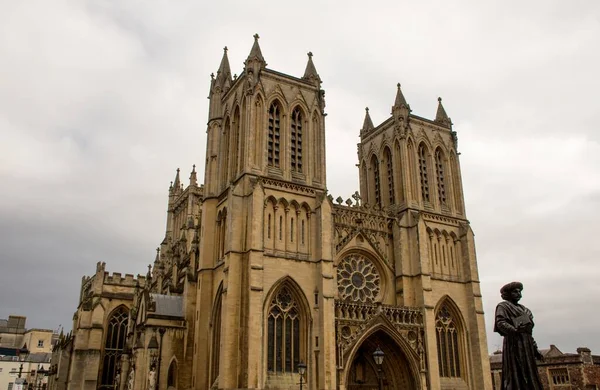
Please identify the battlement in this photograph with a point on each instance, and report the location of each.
(128, 280)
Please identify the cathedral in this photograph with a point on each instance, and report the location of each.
(264, 281)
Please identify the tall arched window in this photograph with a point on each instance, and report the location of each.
(172, 375)
(390, 175)
(274, 135)
(296, 141)
(375, 182)
(423, 173)
(284, 332)
(216, 336)
(235, 145)
(441, 177)
(116, 331)
(447, 337)
(225, 153)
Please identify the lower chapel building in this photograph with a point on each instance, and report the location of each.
(260, 271)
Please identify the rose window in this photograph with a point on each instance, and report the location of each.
(358, 279)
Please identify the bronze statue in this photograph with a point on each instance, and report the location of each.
(519, 351)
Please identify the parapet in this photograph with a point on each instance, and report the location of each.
(128, 280)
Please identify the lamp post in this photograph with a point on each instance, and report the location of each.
(25, 352)
(301, 371)
(378, 357)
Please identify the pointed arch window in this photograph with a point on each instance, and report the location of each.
(274, 135)
(390, 175)
(423, 173)
(284, 333)
(447, 337)
(172, 375)
(376, 182)
(296, 141)
(216, 336)
(116, 331)
(225, 152)
(235, 145)
(441, 178)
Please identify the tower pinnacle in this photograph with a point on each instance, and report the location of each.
(368, 123)
(400, 101)
(311, 72)
(441, 117)
(255, 55)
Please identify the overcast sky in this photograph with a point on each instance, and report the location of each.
(100, 102)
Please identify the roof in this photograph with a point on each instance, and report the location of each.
(8, 351)
(168, 305)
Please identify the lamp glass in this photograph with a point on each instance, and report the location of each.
(301, 368)
(378, 356)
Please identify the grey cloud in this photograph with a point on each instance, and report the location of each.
(104, 100)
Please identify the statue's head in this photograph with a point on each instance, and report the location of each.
(512, 291)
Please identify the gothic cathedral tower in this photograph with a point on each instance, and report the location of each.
(286, 277)
(266, 284)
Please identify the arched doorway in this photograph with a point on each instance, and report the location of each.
(363, 373)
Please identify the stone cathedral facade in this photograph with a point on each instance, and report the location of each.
(261, 270)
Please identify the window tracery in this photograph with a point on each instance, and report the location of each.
(274, 135)
(283, 327)
(447, 337)
(358, 279)
(296, 141)
(116, 331)
(441, 178)
(423, 173)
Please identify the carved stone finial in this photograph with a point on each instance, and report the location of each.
(367, 109)
(225, 49)
(256, 37)
(439, 99)
(310, 54)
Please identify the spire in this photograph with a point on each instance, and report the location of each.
(441, 117)
(311, 72)
(224, 79)
(255, 52)
(193, 178)
(157, 258)
(368, 123)
(400, 100)
(255, 60)
(177, 182)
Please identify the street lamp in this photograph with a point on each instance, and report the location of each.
(378, 357)
(22, 352)
(301, 371)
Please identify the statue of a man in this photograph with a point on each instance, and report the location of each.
(519, 351)
(152, 378)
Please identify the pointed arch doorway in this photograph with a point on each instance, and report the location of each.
(395, 369)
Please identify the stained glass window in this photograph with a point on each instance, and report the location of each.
(116, 331)
(447, 344)
(283, 324)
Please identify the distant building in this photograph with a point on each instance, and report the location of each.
(25, 353)
(560, 371)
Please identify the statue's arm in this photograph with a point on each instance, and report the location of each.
(503, 324)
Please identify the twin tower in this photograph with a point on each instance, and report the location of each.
(261, 275)
(287, 277)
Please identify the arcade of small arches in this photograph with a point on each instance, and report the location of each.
(287, 226)
(383, 176)
(444, 254)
